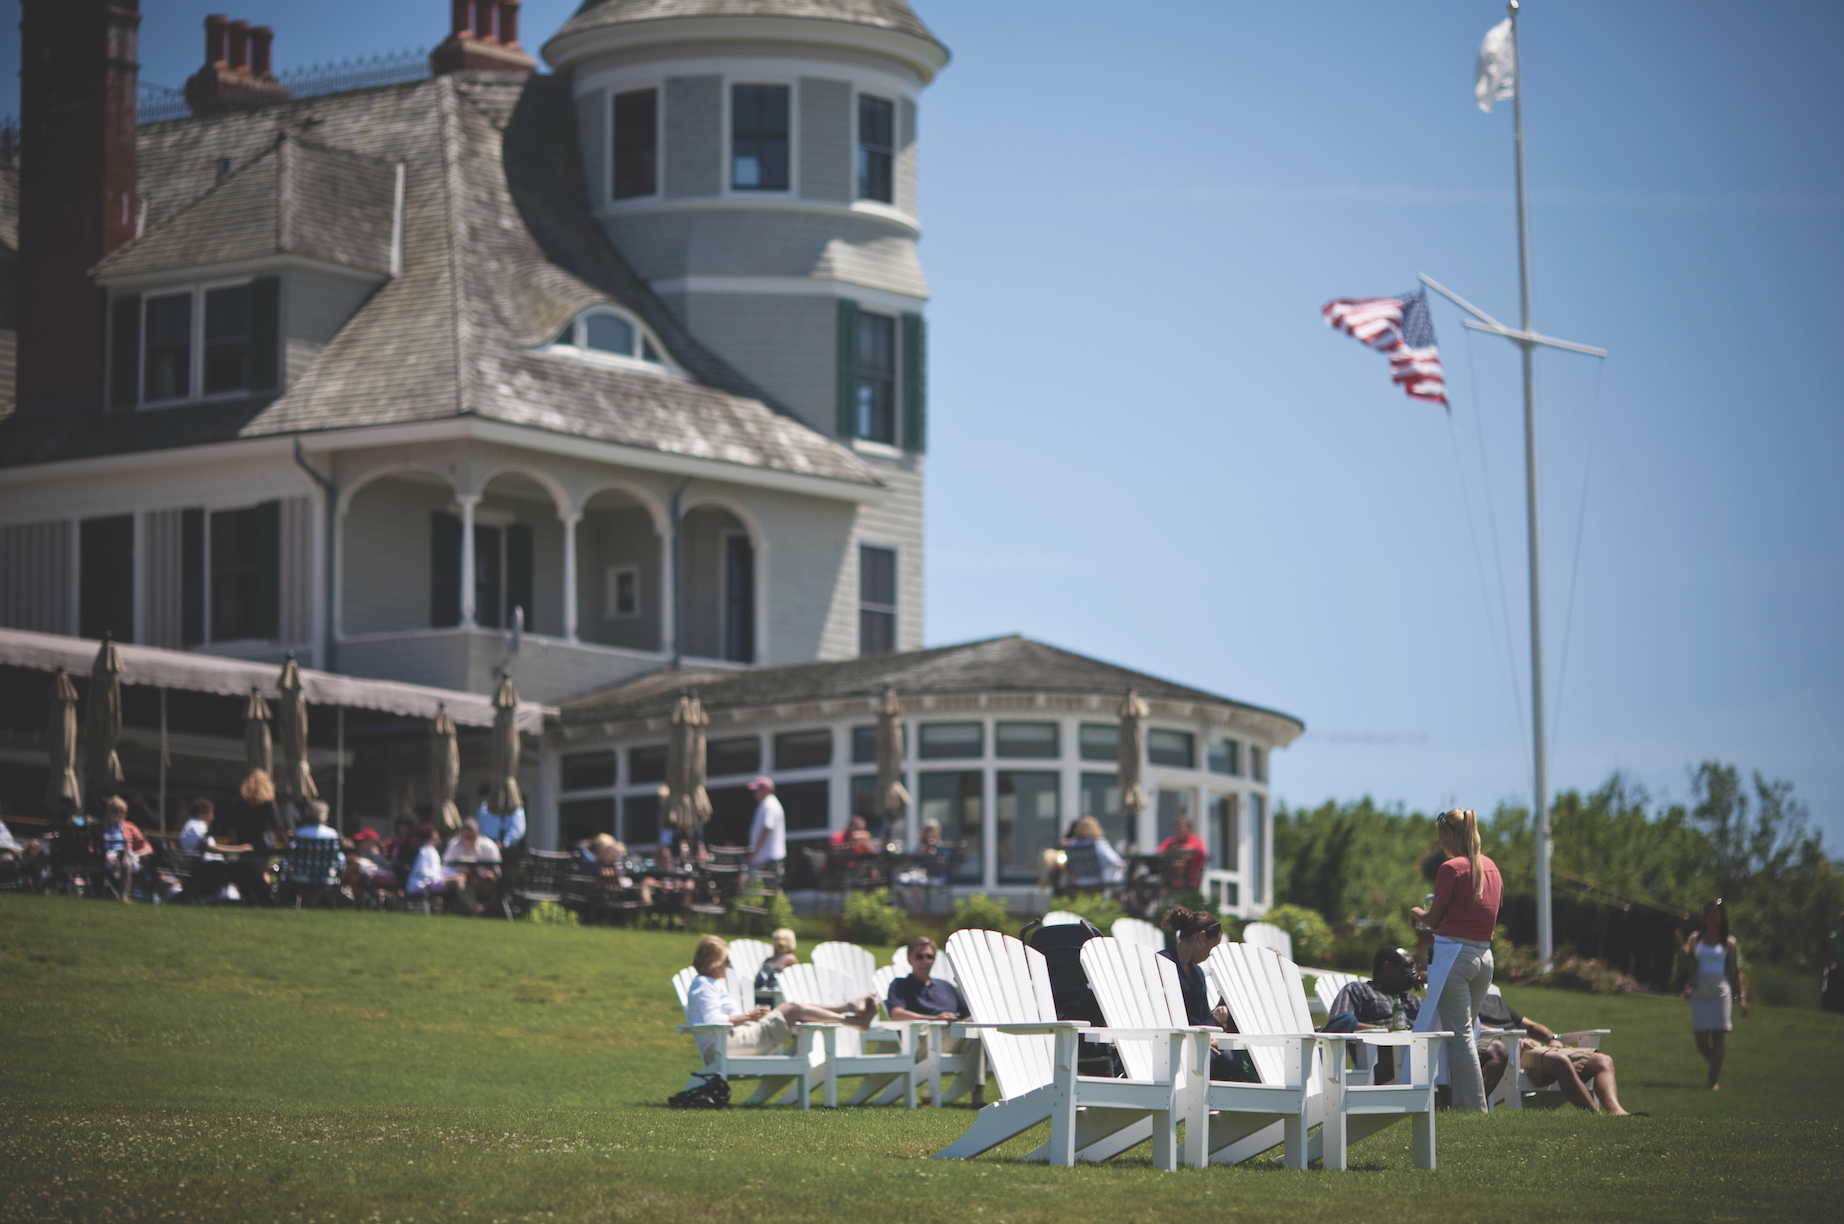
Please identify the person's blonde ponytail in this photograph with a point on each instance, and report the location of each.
(1465, 822)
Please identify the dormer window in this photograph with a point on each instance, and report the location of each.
(179, 345)
(604, 332)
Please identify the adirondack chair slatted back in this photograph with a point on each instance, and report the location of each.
(748, 954)
(852, 963)
(1327, 985)
(1139, 931)
(1267, 935)
(1061, 918)
(1136, 988)
(1266, 996)
(880, 981)
(1003, 980)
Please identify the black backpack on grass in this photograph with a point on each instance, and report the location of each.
(1061, 946)
(713, 1093)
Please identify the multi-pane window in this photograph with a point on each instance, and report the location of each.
(877, 377)
(636, 143)
(1258, 763)
(739, 599)
(227, 339)
(1029, 819)
(1225, 757)
(1173, 748)
(168, 361)
(953, 800)
(1226, 831)
(236, 576)
(604, 331)
(1100, 742)
(582, 771)
(938, 741)
(759, 137)
(1036, 740)
(876, 148)
(502, 575)
(803, 749)
(1258, 847)
(741, 754)
(620, 592)
(876, 599)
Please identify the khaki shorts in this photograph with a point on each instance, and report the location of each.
(1532, 1062)
(764, 1036)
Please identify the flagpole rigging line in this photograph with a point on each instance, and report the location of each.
(1581, 520)
(1498, 563)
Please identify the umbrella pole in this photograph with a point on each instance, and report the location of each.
(163, 761)
(339, 769)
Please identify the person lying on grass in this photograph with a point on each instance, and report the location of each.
(761, 1030)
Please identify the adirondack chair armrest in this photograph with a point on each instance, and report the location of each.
(1276, 1039)
(703, 1028)
(1589, 1039)
(1113, 1033)
(1385, 1037)
(1026, 1028)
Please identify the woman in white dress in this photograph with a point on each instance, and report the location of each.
(1715, 967)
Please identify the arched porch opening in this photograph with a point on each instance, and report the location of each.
(721, 586)
(518, 555)
(394, 555)
(620, 585)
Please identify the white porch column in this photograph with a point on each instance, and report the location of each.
(468, 502)
(569, 575)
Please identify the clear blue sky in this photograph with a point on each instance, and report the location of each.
(1146, 447)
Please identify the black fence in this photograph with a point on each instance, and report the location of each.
(160, 102)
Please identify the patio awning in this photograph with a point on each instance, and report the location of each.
(202, 673)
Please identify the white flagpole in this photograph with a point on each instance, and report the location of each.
(1546, 935)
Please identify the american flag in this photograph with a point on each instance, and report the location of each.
(1402, 328)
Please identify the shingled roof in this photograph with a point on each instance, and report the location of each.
(888, 14)
(996, 665)
(498, 253)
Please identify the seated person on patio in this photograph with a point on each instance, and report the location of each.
(667, 886)
(123, 844)
(768, 977)
(1370, 1004)
(504, 831)
(473, 863)
(762, 1030)
(1106, 860)
(1186, 849)
(314, 827)
(212, 878)
(929, 864)
(1195, 934)
(922, 996)
(427, 875)
(368, 867)
(1547, 1061)
(855, 836)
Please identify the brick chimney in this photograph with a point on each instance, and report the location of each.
(236, 71)
(484, 34)
(76, 191)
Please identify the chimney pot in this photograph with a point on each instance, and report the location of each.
(240, 46)
(260, 39)
(217, 41)
(483, 20)
(509, 22)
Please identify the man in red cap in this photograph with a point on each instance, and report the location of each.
(768, 833)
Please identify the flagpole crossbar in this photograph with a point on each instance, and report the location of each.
(1524, 337)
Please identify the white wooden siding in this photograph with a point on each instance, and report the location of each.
(162, 578)
(35, 576)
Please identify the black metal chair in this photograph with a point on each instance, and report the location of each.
(312, 872)
(540, 876)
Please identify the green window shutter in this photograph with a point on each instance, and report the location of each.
(265, 333)
(520, 587)
(915, 383)
(444, 570)
(125, 351)
(268, 619)
(192, 577)
(848, 368)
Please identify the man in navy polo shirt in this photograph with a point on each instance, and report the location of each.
(920, 996)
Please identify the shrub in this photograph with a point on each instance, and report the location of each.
(1094, 907)
(549, 913)
(1520, 967)
(871, 918)
(980, 912)
(780, 912)
(1312, 937)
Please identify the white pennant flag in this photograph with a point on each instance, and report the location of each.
(1497, 70)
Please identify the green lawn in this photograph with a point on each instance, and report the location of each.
(182, 1063)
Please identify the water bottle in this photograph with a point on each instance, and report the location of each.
(1399, 1016)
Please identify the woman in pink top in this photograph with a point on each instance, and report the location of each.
(1467, 889)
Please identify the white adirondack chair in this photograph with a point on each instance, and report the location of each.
(1277, 1031)
(853, 964)
(1033, 1055)
(1515, 1089)
(1061, 918)
(1268, 990)
(1326, 985)
(801, 1068)
(1267, 935)
(892, 1073)
(746, 956)
(964, 1070)
(1139, 931)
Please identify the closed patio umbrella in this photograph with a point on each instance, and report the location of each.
(1129, 754)
(892, 796)
(258, 749)
(687, 805)
(296, 782)
(505, 798)
(102, 769)
(444, 772)
(63, 796)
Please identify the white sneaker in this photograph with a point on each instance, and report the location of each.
(230, 893)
